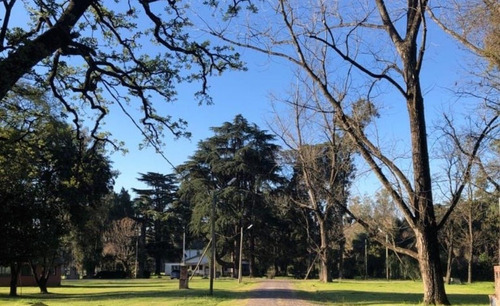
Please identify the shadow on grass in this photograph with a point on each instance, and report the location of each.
(117, 295)
(331, 297)
(377, 298)
(112, 286)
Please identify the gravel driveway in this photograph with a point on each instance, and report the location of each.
(275, 292)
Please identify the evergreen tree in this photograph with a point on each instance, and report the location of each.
(242, 151)
(154, 211)
(122, 206)
(45, 175)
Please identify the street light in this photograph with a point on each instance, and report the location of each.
(215, 193)
(240, 272)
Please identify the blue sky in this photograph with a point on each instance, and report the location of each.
(233, 93)
(247, 93)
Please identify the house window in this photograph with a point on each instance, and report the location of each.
(4, 271)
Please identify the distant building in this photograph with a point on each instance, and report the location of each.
(197, 264)
(194, 259)
(26, 276)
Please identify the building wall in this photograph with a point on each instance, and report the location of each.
(26, 277)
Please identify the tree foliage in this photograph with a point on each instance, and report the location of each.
(237, 150)
(108, 55)
(154, 210)
(45, 169)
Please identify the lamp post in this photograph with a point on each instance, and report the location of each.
(215, 193)
(212, 228)
(240, 272)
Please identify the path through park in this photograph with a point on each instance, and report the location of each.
(275, 292)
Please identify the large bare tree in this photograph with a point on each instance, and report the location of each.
(120, 243)
(475, 25)
(371, 51)
(322, 158)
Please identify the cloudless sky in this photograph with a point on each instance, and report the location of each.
(233, 93)
(247, 93)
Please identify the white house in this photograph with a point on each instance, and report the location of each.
(197, 264)
(200, 265)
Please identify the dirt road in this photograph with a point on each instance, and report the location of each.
(275, 292)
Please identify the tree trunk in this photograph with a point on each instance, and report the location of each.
(325, 275)
(430, 266)
(469, 269)
(235, 254)
(341, 258)
(158, 266)
(15, 268)
(159, 246)
(449, 260)
(422, 202)
(142, 253)
(471, 246)
(22, 60)
(41, 278)
(42, 284)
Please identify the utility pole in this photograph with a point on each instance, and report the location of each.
(240, 274)
(184, 247)
(240, 266)
(212, 227)
(215, 193)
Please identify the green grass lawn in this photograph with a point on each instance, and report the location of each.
(378, 292)
(228, 292)
(155, 291)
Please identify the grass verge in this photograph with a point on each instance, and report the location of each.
(229, 292)
(381, 292)
(130, 292)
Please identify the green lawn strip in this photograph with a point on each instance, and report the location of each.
(229, 292)
(381, 292)
(131, 292)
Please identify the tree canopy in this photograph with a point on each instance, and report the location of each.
(109, 55)
(154, 211)
(47, 179)
(238, 150)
